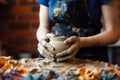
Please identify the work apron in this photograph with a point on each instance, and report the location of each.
(72, 18)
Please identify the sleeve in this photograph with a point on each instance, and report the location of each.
(43, 2)
(103, 1)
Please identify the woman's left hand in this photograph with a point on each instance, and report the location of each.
(71, 51)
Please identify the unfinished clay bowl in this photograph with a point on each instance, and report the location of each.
(58, 44)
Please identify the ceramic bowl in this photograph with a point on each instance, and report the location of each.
(58, 44)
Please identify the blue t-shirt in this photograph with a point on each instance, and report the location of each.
(94, 7)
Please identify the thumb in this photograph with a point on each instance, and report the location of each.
(70, 40)
(50, 35)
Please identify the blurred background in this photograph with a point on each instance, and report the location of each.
(18, 24)
(19, 21)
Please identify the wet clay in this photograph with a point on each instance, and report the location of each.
(58, 44)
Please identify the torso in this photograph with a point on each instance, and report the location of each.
(74, 17)
(80, 21)
(93, 6)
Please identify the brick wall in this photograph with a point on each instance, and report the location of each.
(18, 24)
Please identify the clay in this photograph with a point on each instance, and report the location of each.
(44, 69)
(58, 44)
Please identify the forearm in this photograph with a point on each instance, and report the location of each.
(111, 24)
(44, 23)
(102, 39)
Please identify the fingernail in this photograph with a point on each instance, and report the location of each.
(67, 42)
(57, 61)
(53, 48)
(57, 55)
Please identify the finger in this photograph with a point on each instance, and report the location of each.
(63, 59)
(46, 45)
(43, 51)
(70, 40)
(44, 54)
(67, 57)
(63, 53)
(45, 38)
(50, 35)
(72, 48)
(74, 53)
(66, 52)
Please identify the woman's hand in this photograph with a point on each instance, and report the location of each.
(71, 51)
(44, 45)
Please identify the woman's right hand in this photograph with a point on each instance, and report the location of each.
(44, 45)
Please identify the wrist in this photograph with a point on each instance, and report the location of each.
(82, 42)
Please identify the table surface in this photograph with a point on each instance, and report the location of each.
(61, 67)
